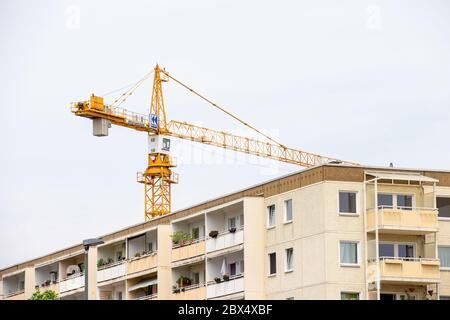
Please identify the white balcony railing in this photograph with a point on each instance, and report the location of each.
(234, 285)
(13, 293)
(149, 297)
(111, 271)
(72, 282)
(225, 239)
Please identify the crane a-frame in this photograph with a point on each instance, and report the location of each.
(158, 176)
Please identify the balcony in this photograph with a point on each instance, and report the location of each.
(410, 270)
(187, 251)
(111, 271)
(193, 292)
(73, 282)
(51, 287)
(18, 295)
(148, 297)
(225, 239)
(142, 263)
(224, 288)
(403, 220)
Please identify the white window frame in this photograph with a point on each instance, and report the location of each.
(444, 268)
(286, 270)
(268, 225)
(349, 214)
(285, 221)
(398, 294)
(351, 292)
(358, 254)
(394, 197)
(268, 264)
(396, 243)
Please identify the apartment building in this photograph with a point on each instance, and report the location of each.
(329, 232)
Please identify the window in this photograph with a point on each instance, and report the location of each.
(233, 269)
(443, 205)
(150, 247)
(349, 252)
(118, 255)
(404, 202)
(289, 259)
(232, 223)
(405, 251)
(272, 263)
(349, 295)
(401, 201)
(347, 202)
(196, 277)
(396, 250)
(444, 256)
(271, 216)
(196, 233)
(288, 210)
(386, 250)
(241, 220)
(385, 200)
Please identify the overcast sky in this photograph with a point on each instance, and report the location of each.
(365, 81)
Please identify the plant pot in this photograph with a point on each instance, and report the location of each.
(226, 277)
(214, 234)
(217, 280)
(232, 230)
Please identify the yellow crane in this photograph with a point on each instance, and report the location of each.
(158, 176)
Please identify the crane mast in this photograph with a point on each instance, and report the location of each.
(158, 177)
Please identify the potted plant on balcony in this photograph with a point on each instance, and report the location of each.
(180, 238)
(100, 262)
(137, 254)
(213, 233)
(217, 280)
(184, 281)
(232, 229)
(175, 289)
(226, 277)
(109, 261)
(47, 282)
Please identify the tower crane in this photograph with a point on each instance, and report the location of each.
(158, 177)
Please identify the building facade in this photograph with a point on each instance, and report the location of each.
(329, 232)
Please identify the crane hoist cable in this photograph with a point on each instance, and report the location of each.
(124, 96)
(222, 109)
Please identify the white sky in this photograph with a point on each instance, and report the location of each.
(365, 81)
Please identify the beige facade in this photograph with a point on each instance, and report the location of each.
(329, 232)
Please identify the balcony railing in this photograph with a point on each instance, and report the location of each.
(234, 285)
(395, 219)
(15, 295)
(111, 271)
(72, 282)
(413, 270)
(225, 239)
(192, 292)
(188, 250)
(149, 297)
(142, 263)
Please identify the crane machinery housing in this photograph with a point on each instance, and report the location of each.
(158, 177)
